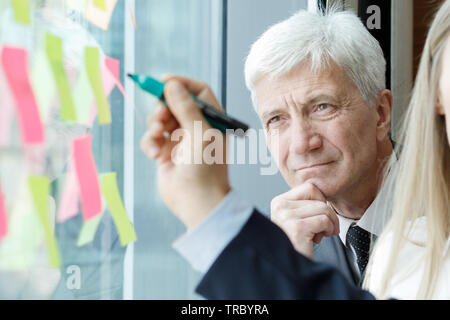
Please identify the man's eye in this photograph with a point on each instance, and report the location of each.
(323, 107)
(273, 120)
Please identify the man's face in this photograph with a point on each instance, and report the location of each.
(326, 132)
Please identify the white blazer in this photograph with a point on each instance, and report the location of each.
(408, 272)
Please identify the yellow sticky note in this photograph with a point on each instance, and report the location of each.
(21, 11)
(101, 4)
(40, 189)
(54, 50)
(99, 16)
(92, 64)
(115, 205)
(88, 230)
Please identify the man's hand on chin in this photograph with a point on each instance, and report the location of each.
(304, 216)
(190, 188)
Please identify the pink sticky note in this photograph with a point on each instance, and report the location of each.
(6, 109)
(68, 206)
(113, 66)
(86, 173)
(3, 217)
(15, 65)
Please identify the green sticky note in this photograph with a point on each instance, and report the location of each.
(21, 11)
(18, 251)
(101, 4)
(93, 73)
(53, 45)
(43, 85)
(83, 97)
(115, 205)
(40, 189)
(88, 230)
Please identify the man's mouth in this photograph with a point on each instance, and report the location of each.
(312, 166)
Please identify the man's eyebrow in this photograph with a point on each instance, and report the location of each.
(269, 114)
(316, 99)
(319, 98)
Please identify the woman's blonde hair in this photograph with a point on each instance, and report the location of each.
(422, 182)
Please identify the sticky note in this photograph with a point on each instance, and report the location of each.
(113, 66)
(15, 66)
(88, 230)
(108, 85)
(40, 190)
(6, 110)
(79, 5)
(25, 233)
(21, 11)
(114, 202)
(54, 50)
(43, 84)
(101, 4)
(86, 173)
(68, 204)
(132, 18)
(93, 71)
(3, 216)
(99, 16)
(83, 97)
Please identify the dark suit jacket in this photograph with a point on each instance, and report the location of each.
(261, 263)
(331, 250)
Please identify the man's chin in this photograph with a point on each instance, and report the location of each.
(322, 184)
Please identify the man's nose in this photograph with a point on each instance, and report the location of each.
(304, 137)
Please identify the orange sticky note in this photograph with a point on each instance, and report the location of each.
(3, 216)
(86, 172)
(133, 19)
(99, 16)
(15, 66)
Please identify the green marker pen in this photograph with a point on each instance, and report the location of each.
(215, 118)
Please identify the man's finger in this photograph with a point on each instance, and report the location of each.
(319, 224)
(182, 106)
(305, 191)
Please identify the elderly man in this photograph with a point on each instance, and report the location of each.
(318, 85)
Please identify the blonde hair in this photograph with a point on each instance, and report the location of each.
(422, 182)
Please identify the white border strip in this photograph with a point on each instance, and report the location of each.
(128, 190)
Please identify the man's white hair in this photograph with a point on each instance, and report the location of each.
(319, 39)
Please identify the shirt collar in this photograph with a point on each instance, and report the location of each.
(375, 217)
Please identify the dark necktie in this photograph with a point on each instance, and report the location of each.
(359, 239)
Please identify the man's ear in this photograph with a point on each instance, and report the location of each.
(384, 109)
